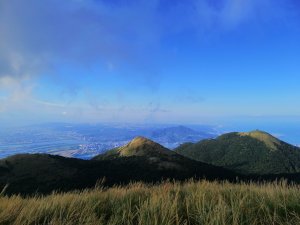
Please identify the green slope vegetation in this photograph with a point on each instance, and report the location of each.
(147, 161)
(190, 203)
(144, 152)
(140, 160)
(253, 152)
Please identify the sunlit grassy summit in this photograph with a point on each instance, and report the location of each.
(139, 146)
(255, 152)
(270, 141)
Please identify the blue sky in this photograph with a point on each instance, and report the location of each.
(161, 61)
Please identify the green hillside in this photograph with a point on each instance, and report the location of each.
(145, 152)
(144, 160)
(255, 152)
(140, 160)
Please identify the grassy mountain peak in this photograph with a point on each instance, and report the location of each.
(269, 140)
(254, 152)
(148, 155)
(139, 146)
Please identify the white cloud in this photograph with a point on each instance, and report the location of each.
(37, 37)
(230, 14)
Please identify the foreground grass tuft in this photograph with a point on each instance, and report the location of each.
(165, 204)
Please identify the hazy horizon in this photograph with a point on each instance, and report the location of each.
(287, 130)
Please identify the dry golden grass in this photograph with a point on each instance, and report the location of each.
(168, 203)
(266, 138)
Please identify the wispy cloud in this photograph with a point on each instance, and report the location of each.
(51, 104)
(38, 37)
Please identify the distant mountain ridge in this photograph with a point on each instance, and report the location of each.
(88, 140)
(255, 152)
(172, 137)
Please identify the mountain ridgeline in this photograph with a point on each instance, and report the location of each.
(246, 156)
(255, 152)
(143, 152)
(139, 160)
